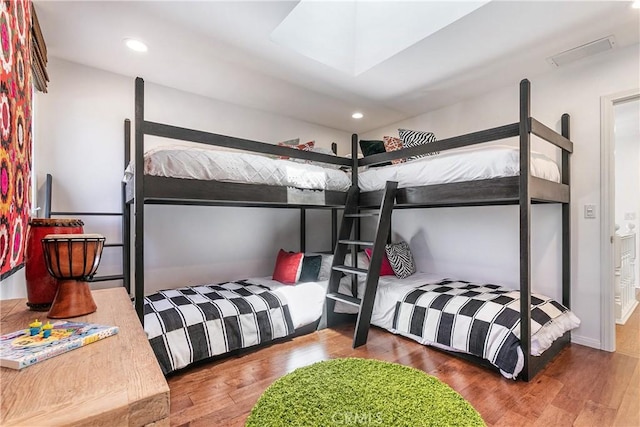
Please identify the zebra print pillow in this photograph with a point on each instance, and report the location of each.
(401, 260)
(415, 138)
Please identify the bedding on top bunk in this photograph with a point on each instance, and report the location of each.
(229, 166)
(461, 316)
(469, 164)
(193, 323)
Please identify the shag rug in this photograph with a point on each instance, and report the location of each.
(361, 392)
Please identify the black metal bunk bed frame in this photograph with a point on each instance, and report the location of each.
(523, 190)
(171, 191)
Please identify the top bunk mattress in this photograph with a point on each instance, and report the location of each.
(230, 166)
(473, 164)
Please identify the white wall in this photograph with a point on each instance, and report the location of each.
(482, 243)
(79, 140)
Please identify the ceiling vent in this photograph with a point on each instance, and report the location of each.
(592, 48)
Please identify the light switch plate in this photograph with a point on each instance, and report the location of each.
(590, 211)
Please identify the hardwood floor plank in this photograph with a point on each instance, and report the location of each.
(178, 402)
(629, 411)
(611, 383)
(627, 341)
(581, 385)
(511, 419)
(595, 414)
(553, 416)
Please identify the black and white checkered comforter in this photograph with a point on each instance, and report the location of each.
(480, 319)
(193, 323)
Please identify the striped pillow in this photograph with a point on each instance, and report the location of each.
(401, 260)
(415, 138)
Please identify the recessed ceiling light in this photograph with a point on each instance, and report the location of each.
(357, 115)
(136, 45)
(635, 4)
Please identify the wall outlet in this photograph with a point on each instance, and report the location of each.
(629, 216)
(590, 211)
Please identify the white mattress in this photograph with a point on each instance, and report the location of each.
(458, 165)
(391, 289)
(215, 165)
(305, 300)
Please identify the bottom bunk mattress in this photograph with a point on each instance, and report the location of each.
(194, 323)
(461, 316)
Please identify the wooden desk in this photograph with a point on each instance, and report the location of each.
(114, 381)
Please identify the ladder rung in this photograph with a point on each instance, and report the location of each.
(106, 278)
(345, 298)
(351, 270)
(356, 242)
(361, 215)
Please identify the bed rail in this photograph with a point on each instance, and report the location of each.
(191, 135)
(487, 135)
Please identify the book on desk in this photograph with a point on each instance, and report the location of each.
(25, 347)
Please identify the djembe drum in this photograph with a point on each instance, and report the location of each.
(72, 259)
(41, 287)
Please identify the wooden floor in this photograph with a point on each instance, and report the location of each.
(628, 335)
(581, 387)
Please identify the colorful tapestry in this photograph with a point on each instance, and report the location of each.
(15, 129)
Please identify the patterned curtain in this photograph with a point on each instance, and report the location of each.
(15, 129)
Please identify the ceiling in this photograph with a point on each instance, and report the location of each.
(222, 50)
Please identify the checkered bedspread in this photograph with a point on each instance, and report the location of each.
(193, 323)
(481, 319)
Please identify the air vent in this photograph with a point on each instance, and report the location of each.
(592, 48)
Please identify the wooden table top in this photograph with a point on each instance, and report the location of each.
(114, 381)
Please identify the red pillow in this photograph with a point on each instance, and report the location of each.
(288, 267)
(385, 267)
(307, 146)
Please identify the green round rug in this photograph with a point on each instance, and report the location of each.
(361, 392)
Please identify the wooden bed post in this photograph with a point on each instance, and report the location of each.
(525, 226)
(126, 214)
(139, 199)
(566, 220)
(303, 230)
(356, 222)
(334, 229)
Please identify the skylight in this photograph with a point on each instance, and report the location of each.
(355, 36)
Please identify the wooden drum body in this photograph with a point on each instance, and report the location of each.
(41, 286)
(72, 259)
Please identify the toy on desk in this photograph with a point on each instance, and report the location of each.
(34, 327)
(46, 330)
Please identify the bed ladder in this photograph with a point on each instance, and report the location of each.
(365, 305)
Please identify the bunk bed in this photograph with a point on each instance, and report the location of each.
(523, 189)
(315, 182)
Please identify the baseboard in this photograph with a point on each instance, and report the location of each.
(589, 342)
(628, 312)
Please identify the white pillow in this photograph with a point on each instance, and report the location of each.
(325, 267)
(363, 261)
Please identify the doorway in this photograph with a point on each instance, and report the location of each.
(620, 201)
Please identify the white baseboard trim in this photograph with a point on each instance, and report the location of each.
(589, 342)
(628, 312)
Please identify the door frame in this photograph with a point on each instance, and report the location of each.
(607, 213)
